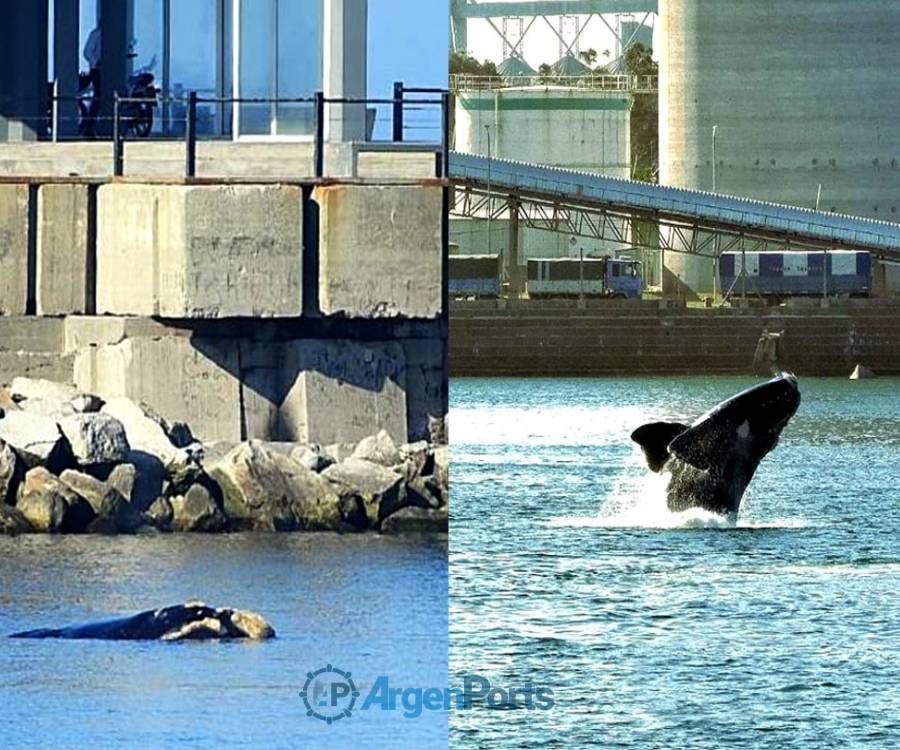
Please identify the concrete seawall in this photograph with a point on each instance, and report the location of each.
(605, 337)
(305, 311)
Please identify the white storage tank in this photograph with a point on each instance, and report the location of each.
(801, 93)
(557, 126)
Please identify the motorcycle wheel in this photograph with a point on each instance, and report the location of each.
(141, 121)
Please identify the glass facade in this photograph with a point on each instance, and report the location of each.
(279, 56)
(191, 45)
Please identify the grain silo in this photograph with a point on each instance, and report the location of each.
(801, 93)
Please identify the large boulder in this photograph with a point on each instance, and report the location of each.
(95, 438)
(8, 474)
(379, 449)
(197, 511)
(160, 513)
(36, 440)
(123, 477)
(151, 451)
(38, 389)
(51, 399)
(264, 489)
(416, 521)
(12, 521)
(311, 457)
(50, 505)
(146, 432)
(114, 513)
(6, 402)
(381, 490)
(442, 467)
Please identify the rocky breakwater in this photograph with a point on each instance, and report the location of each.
(72, 463)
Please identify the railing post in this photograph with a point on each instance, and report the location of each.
(445, 133)
(320, 134)
(190, 137)
(54, 112)
(118, 165)
(398, 112)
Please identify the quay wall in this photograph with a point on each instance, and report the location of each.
(628, 337)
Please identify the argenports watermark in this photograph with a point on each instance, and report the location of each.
(331, 694)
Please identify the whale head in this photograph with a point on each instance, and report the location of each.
(713, 459)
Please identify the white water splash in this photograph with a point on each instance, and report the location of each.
(638, 500)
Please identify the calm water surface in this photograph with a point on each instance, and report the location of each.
(657, 630)
(368, 604)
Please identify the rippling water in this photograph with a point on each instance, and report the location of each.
(368, 604)
(660, 630)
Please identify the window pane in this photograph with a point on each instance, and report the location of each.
(299, 64)
(257, 65)
(193, 60)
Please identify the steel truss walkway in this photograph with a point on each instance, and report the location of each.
(692, 221)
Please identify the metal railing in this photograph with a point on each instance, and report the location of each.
(405, 115)
(595, 81)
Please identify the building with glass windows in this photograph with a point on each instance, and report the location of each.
(222, 49)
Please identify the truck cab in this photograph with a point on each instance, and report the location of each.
(623, 278)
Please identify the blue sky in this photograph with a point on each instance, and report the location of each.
(407, 42)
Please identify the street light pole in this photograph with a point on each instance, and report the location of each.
(715, 129)
(487, 129)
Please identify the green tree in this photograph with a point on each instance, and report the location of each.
(588, 56)
(460, 62)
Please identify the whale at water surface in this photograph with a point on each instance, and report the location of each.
(188, 621)
(712, 461)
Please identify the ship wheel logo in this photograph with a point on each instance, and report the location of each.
(329, 694)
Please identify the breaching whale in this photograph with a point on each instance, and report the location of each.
(188, 621)
(712, 461)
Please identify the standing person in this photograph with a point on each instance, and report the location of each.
(92, 54)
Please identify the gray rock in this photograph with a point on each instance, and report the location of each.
(197, 511)
(12, 521)
(379, 449)
(442, 467)
(36, 440)
(161, 513)
(439, 430)
(123, 477)
(265, 490)
(51, 506)
(145, 431)
(417, 459)
(337, 452)
(416, 521)
(39, 389)
(311, 457)
(86, 404)
(421, 493)
(95, 438)
(8, 475)
(381, 490)
(114, 513)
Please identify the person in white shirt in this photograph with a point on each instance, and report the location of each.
(92, 53)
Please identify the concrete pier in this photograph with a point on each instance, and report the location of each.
(275, 310)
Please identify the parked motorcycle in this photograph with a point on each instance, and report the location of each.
(135, 112)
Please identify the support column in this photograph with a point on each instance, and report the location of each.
(23, 76)
(344, 74)
(114, 15)
(66, 57)
(513, 269)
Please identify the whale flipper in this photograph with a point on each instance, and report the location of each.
(654, 439)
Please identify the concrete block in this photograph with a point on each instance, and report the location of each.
(188, 380)
(344, 391)
(426, 392)
(309, 390)
(13, 249)
(62, 249)
(89, 330)
(380, 250)
(199, 251)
